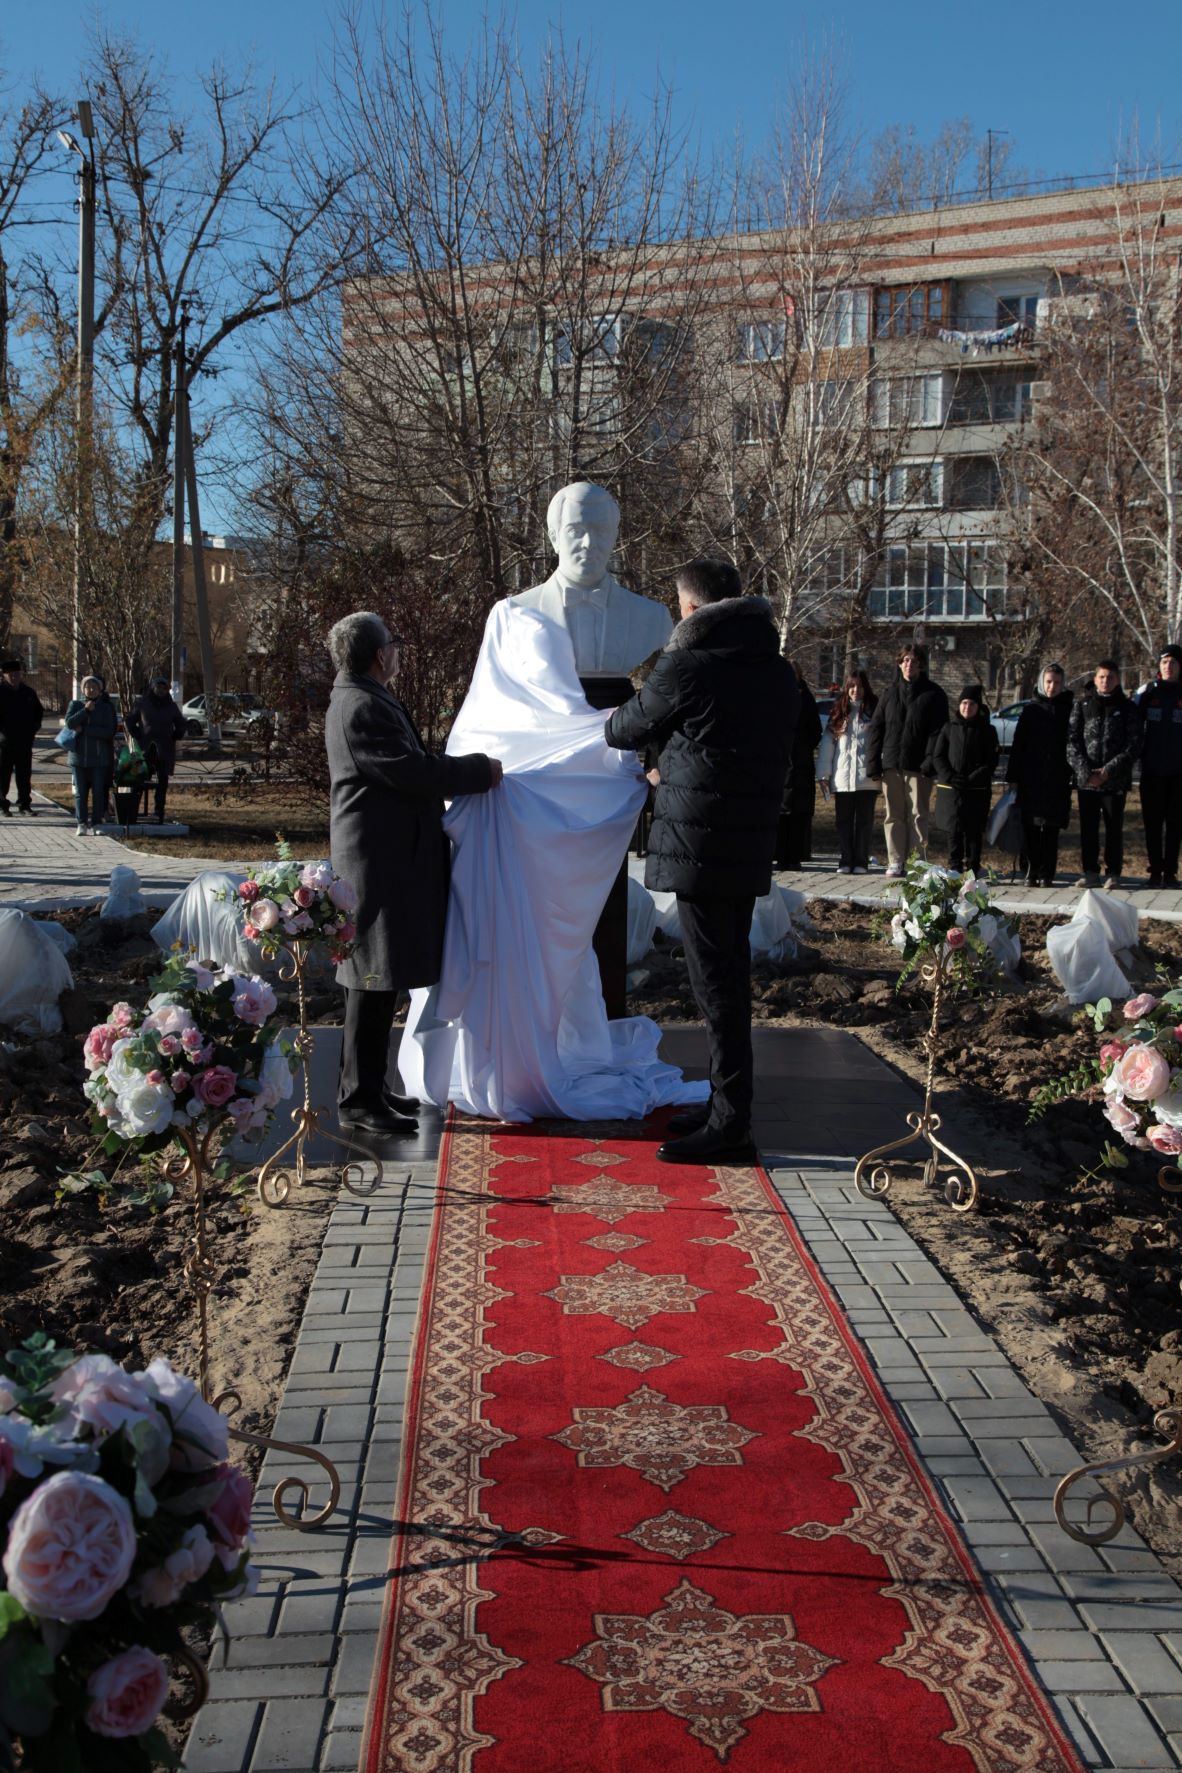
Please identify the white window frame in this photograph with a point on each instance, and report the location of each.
(760, 341)
(915, 483)
(923, 395)
(842, 319)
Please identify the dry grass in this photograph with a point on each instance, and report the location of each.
(228, 823)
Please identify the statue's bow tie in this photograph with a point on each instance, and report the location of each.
(574, 595)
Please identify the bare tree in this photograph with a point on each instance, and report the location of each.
(1103, 457)
(31, 378)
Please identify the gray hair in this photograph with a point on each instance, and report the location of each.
(554, 508)
(355, 642)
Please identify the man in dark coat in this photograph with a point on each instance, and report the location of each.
(388, 840)
(721, 704)
(1103, 743)
(20, 721)
(1040, 774)
(158, 723)
(910, 713)
(1160, 707)
(963, 759)
(799, 803)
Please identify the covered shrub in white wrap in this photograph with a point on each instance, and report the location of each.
(209, 926)
(33, 975)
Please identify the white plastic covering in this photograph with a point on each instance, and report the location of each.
(776, 922)
(642, 921)
(208, 926)
(33, 975)
(1117, 917)
(61, 938)
(1083, 961)
(124, 898)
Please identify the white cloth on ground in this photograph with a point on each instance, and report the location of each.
(516, 1027)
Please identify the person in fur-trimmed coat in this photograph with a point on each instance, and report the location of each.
(721, 703)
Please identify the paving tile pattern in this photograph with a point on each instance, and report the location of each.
(1102, 1628)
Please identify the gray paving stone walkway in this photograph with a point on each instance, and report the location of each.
(1103, 1628)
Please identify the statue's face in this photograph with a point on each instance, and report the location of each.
(585, 539)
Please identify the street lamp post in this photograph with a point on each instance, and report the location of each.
(84, 366)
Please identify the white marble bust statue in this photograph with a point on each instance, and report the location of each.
(613, 630)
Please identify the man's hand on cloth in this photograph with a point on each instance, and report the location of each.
(653, 776)
(498, 770)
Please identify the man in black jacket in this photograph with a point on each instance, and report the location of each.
(1040, 774)
(20, 720)
(387, 838)
(963, 759)
(910, 712)
(1160, 707)
(158, 723)
(1104, 738)
(722, 705)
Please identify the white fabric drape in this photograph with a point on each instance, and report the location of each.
(516, 1027)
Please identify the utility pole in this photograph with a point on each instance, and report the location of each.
(83, 368)
(180, 371)
(197, 543)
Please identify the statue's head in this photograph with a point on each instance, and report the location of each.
(582, 521)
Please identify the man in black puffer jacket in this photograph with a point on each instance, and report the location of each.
(722, 705)
(1160, 707)
(1039, 772)
(1104, 738)
(909, 714)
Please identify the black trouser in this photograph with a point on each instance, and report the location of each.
(794, 837)
(854, 814)
(365, 1050)
(1161, 810)
(161, 792)
(1041, 840)
(16, 758)
(716, 935)
(970, 812)
(1094, 803)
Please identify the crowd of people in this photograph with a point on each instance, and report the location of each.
(909, 744)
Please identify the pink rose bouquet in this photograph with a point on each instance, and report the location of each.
(121, 1521)
(202, 1053)
(292, 901)
(1136, 1076)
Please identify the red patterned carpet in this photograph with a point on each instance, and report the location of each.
(656, 1511)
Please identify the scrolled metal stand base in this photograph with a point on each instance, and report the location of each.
(202, 1272)
(275, 1177)
(1165, 1422)
(873, 1178)
(1169, 1178)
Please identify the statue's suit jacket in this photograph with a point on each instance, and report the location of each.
(387, 833)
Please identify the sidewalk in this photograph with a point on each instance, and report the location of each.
(44, 866)
(1103, 1628)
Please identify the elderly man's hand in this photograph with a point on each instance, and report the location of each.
(653, 776)
(498, 770)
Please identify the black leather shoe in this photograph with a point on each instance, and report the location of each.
(382, 1121)
(710, 1145)
(408, 1105)
(688, 1120)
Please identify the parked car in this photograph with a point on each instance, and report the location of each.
(240, 716)
(1005, 723)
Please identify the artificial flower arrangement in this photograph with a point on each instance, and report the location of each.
(1136, 1074)
(205, 1050)
(952, 917)
(292, 901)
(121, 1521)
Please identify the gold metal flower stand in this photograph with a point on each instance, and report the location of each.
(202, 1271)
(872, 1176)
(1167, 1422)
(275, 1177)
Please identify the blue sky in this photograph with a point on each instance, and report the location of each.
(1064, 81)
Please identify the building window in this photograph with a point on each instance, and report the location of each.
(760, 341)
(756, 422)
(843, 318)
(915, 483)
(834, 569)
(24, 648)
(601, 342)
(1017, 309)
(902, 401)
(983, 398)
(937, 581)
(901, 313)
(974, 483)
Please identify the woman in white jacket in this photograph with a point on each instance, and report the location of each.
(841, 769)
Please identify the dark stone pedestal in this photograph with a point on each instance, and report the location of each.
(611, 932)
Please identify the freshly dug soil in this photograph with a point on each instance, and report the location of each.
(105, 1275)
(1074, 1270)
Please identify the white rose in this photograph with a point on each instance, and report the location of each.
(275, 1079)
(144, 1109)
